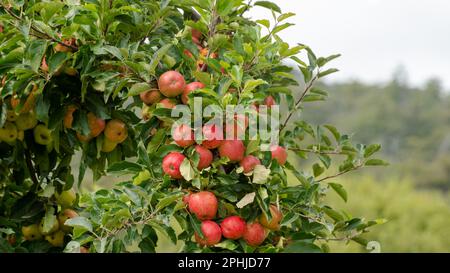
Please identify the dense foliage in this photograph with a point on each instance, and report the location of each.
(75, 74)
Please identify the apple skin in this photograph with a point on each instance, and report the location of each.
(150, 97)
(171, 83)
(171, 164)
(68, 117)
(66, 198)
(237, 128)
(206, 157)
(9, 132)
(53, 229)
(183, 135)
(279, 154)
(254, 234)
(274, 223)
(56, 239)
(42, 135)
(233, 227)
(204, 205)
(270, 101)
(188, 89)
(96, 124)
(84, 138)
(108, 145)
(26, 121)
(249, 162)
(31, 232)
(211, 232)
(11, 115)
(212, 135)
(116, 131)
(64, 216)
(84, 249)
(233, 149)
(167, 103)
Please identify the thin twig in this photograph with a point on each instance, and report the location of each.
(317, 152)
(341, 173)
(31, 168)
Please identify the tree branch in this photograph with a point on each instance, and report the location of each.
(31, 168)
(335, 152)
(341, 173)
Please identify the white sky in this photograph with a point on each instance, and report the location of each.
(374, 36)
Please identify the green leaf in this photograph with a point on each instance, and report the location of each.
(34, 53)
(268, 5)
(328, 72)
(247, 199)
(227, 244)
(157, 56)
(125, 167)
(285, 16)
(113, 51)
(339, 189)
(281, 28)
(56, 61)
(250, 85)
(49, 220)
(80, 222)
(264, 22)
(236, 74)
(138, 88)
(186, 170)
(302, 247)
(317, 169)
(166, 201)
(333, 214)
(260, 174)
(371, 149)
(376, 162)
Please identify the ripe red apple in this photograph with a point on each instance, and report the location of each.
(183, 135)
(196, 33)
(279, 154)
(150, 97)
(233, 149)
(203, 204)
(254, 234)
(168, 103)
(212, 135)
(274, 223)
(96, 124)
(171, 83)
(211, 233)
(233, 227)
(188, 89)
(206, 157)
(236, 128)
(269, 101)
(171, 164)
(186, 199)
(249, 162)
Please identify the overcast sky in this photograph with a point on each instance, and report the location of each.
(374, 36)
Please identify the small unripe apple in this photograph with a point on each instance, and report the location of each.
(9, 132)
(171, 164)
(233, 227)
(64, 216)
(183, 135)
(171, 83)
(96, 124)
(254, 234)
(249, 162)
(66, 198)
(212, 135)
(233, 149)
(42, 135)
(31, 232)
(52, 229)
(56, 239)
(203, 204)
(11, 115)
(279, 154)
(274, 223)
(211, 232)
(190, 88)
(84, 249)
(26, 121)
(205, 155)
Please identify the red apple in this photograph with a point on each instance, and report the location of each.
(279, 154)
(206, 157)
(171, 164)
(151, 96)
(171, 83)
(197, 34)
(186, 198)
(189, 88)
(233, 227)
(255, 234)
(211, 233)
(236, 129)
(203, 204)
(269, 101)
(249, 162)
(188, 53)
(168, 103)
(274, 223)
(212, 135)
(233, 149)
(183, 135)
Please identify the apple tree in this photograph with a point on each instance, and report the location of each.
(96, 83)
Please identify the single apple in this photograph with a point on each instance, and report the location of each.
(108, 145)
(203, 204)
(171, 164)
(190, 88)
(212, 136)
(205, 157)
(64, 216)
(279, 154)
(31, 232)
(212, 234)
(233, 227)
(254, 234)
(116, 131)
(68, 117)
(171, 83)
(9, 132)
(42, 135)
(96, 124)
(151, 96)
(249, 162)
(56, 239)
(66, 198)
(26, 121)
(183, 135)
(167, 103)
(233, 149)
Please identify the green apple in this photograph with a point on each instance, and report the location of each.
(66, 198)
(31, 232)
(9, 132)
(56, 239)
(52, 229)
(108, 145)
(26, 121)
(11, 115)
(42, 135)
(20, 135)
